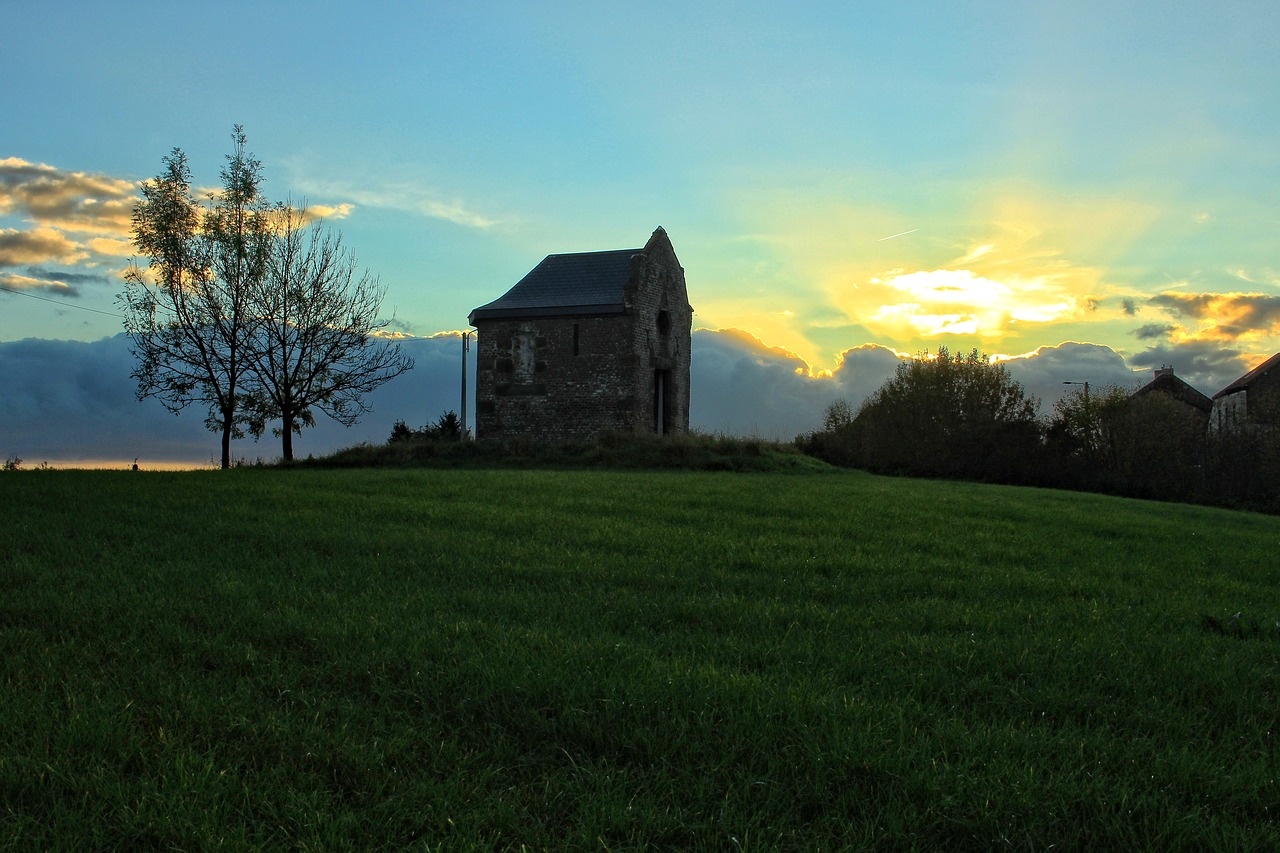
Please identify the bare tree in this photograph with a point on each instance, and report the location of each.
(189, 318)
(316, 344)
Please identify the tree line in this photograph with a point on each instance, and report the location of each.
(250, 308)
(959, 415)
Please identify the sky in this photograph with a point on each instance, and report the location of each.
(1088, 190)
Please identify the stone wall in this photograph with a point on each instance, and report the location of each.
(568, 393)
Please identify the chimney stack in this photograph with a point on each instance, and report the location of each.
(1164, 370)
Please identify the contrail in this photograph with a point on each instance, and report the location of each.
(903, 234)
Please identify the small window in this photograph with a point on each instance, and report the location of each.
(575, 338)
(664, 323)
(522, 357)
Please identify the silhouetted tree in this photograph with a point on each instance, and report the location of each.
(189, 318)
(316, 343)
(448, 427)
(1150, 445)
(942, 415)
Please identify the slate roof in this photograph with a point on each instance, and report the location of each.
(1245, 381)
(1178, 388)
(566, 285)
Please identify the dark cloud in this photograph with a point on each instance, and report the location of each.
(740, 386)
(75, 400)
(396, 324)
(1152, 330)
(70, 278)
(1206, 365)
(23, 283)
(1196, 305)
(1130, 307)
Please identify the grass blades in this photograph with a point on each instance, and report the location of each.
(357, 659)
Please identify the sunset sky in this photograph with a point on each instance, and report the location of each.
(837, 178)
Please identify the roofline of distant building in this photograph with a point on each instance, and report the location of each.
(552, 311)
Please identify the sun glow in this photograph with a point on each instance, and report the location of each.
(961, 302)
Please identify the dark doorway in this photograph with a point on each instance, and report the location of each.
(661, 401)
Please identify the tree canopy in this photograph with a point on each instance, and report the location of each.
(246, 309)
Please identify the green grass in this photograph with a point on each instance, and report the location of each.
(389, 659)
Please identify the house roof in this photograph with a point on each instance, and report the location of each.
(1176, 387)
(1245, 381)
(566, 285)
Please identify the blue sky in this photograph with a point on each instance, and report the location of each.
(1000, 175)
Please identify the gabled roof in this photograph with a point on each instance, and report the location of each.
(1176, 387)
(566, 285)
(1245, 381)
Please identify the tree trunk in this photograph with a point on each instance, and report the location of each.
(227, 425)
(286, 423)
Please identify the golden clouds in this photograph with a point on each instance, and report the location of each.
(999, 263)
(328, 211)
(69, 201)
(39, 245)
(1220, 317)
(68, 218)
(13, 281)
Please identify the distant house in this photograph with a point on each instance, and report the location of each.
(587, 343)
(1252, 399)
(1198, 405)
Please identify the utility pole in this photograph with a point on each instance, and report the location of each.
(466, 345)
(1086, 389)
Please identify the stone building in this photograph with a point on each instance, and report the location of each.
(1252, 399)
(1176, 388)
(587, 343)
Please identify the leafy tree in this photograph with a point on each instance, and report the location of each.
(448, 428)
(943, 415)
(400, 431)
(1079, 437)
(189, 316)
(1150, 445)
(316, 341)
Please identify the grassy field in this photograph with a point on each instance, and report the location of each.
(356, 659)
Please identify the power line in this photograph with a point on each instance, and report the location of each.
(56, 301)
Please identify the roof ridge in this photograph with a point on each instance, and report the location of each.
(1246, 379)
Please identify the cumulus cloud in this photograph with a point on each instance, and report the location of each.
(41, 245)
(741, 386)
(74, 400)
(69, 201)
(1043, 371)
(68, 218)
